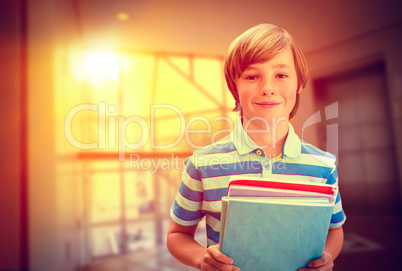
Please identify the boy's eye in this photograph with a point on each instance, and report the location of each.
(251, 77)
(281, 75)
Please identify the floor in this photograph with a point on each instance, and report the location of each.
(371, 243)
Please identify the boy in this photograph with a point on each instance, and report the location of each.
(265, 72)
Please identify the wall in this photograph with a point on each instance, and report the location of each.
(11, 248)
(367, 48)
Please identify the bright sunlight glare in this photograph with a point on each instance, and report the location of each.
(98, 66)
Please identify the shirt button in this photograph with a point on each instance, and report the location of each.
(266, 166)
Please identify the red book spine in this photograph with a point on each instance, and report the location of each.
(283, 185)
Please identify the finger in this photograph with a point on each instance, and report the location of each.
(325, 259)
(225, 267)
(219, 256)
(229, 268)
(211, 261)
(316, 263)
(212, 264)
(210, 268)
(219, 265)
(327, 267)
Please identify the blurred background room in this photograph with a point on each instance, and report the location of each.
(103, 100)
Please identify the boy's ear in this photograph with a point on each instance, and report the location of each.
(299, 90)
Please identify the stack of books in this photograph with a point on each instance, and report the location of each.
(275, 225)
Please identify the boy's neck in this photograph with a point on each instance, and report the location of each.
(270, 138)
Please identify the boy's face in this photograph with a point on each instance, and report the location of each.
(268, 89)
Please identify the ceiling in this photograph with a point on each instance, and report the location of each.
(208, 26)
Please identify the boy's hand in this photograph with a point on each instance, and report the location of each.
(325, 263)
(215, 260)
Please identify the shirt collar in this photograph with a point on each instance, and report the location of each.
(244, 144)
(292, 146)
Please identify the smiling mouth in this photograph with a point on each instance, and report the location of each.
(267, 105)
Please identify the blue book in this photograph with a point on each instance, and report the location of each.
(274, 233)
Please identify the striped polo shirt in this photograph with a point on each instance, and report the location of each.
(207, 172)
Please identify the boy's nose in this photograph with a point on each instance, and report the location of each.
(266, 88)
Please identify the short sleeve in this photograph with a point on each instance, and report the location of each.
(338, 216)
(186, 209)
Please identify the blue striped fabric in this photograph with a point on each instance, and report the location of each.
(208, 170)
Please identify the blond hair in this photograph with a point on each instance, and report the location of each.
(259, 44)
